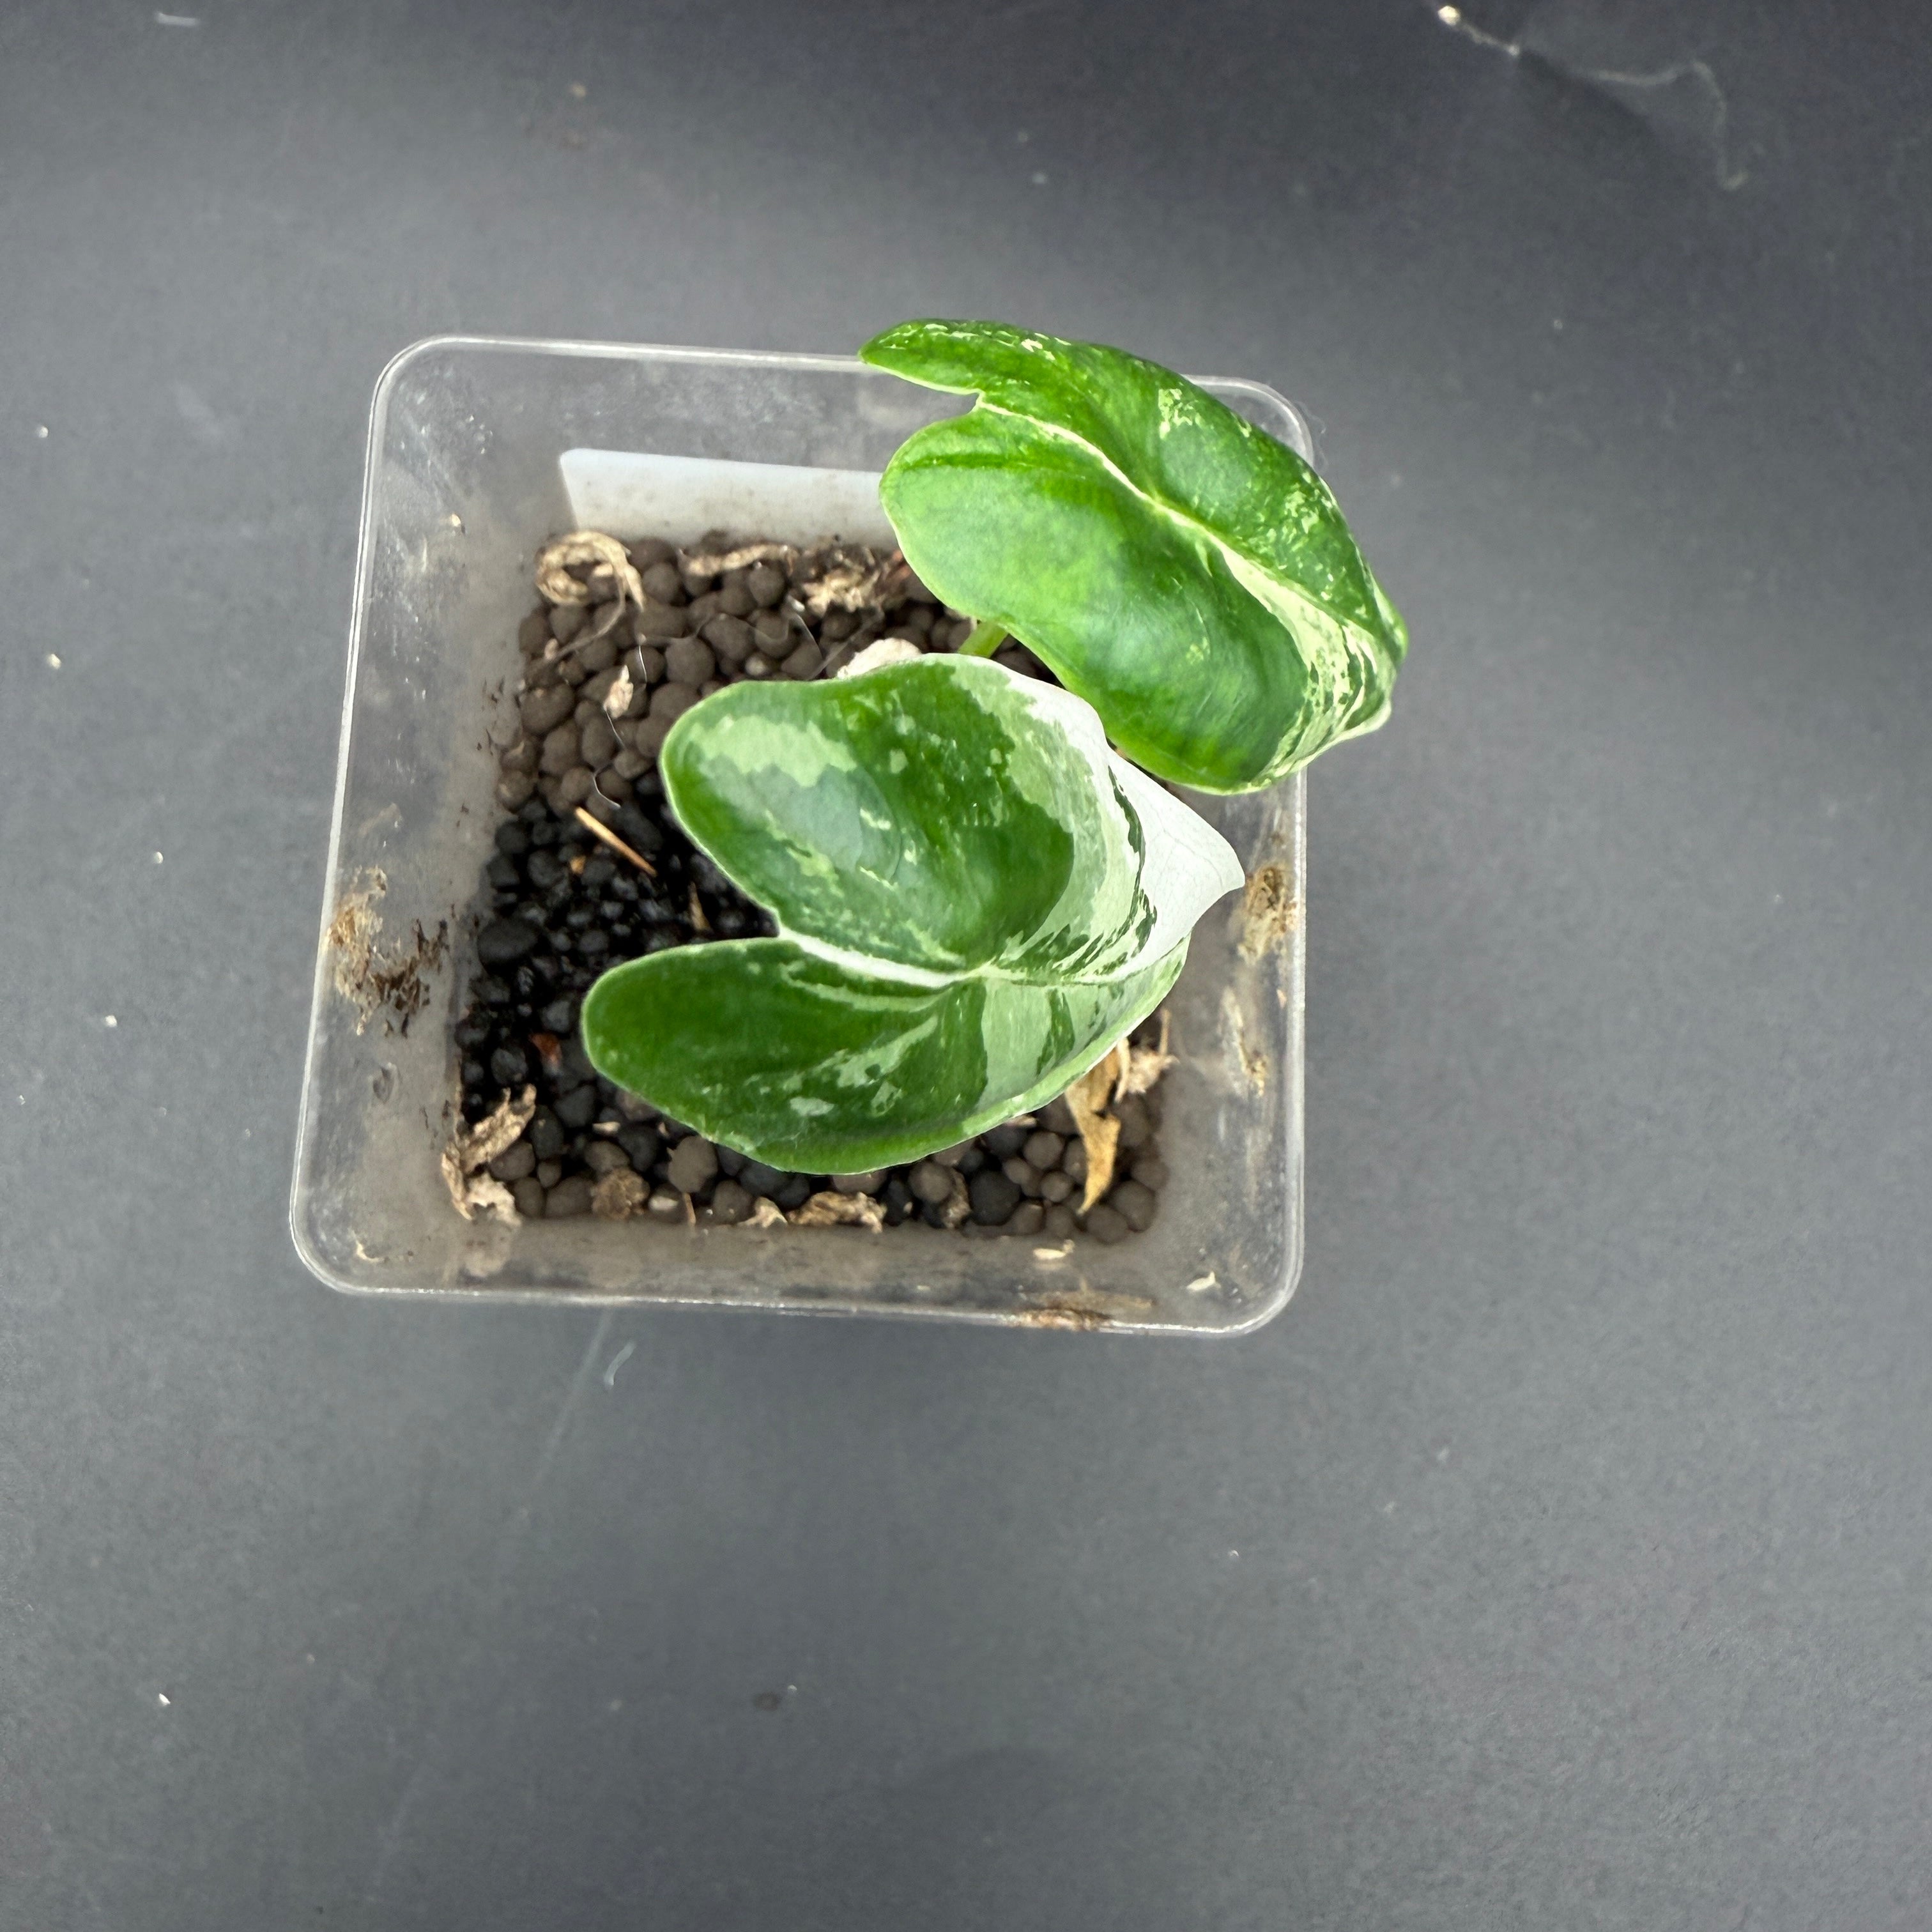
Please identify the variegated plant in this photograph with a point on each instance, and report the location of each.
(974, 899)
(975, 896)
(1184, 572)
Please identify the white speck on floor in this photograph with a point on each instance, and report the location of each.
(110, 1021)
(53, 661)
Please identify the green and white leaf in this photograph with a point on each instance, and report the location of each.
(1189, 576)
(975, 899)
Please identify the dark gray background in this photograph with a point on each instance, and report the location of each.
(1560, 1558)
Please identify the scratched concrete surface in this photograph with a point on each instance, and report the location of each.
(1560, 1558)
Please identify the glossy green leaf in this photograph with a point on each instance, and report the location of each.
(974, 897)
(1184, 572)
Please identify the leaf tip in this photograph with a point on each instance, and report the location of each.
(882, 350)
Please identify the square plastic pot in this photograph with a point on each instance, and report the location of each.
(479, 451)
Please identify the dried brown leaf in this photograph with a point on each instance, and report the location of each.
(1084, 1307)
(1099, 1131)
(1250, 1062)
(1268, 911)
(850, 584)
(619, 1195)
(704, 564)
(470, 1149)
(555, 583)
(1145, 1065)
(457, 1181)
(840, 1211)
(371, 978)
(496, 1133)
(958, 1205)
(483, 1194)
(617, 699)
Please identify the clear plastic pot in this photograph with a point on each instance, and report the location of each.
(480, 449)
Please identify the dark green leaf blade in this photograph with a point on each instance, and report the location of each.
(808, 1064)
(943, 816)
(928, 834)
(975, 899)
(1189, 576)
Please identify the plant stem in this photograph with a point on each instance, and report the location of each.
(985, 640)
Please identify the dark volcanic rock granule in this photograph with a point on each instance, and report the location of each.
(559, 905)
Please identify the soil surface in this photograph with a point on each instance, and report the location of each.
(590, 868)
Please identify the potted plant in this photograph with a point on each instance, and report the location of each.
(916, 788)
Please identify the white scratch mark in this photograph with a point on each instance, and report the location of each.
(390, 1839)
(617, 1361)
(1729, 178)
(571, 1397)
(177, 20)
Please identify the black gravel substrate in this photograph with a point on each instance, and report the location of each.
(559, 905)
